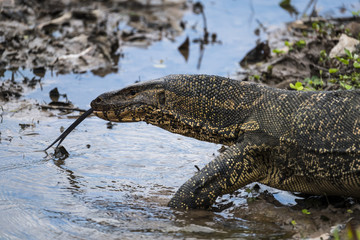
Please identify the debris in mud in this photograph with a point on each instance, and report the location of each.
(55, 95)
(307, 53)
(260, 53)
(61, 153)
(10, 89)
(205, 39)
(110, 125)
(184, 48)
(310, 217)
(60, 105)
(69, 37)
(23, 126)
(345, 42)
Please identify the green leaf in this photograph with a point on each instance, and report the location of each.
(301, 43)
(316, 81)
(356, 65)
(323, 54)
(333, 70)
(315, 26)
(349, 211)
(278, 51)
(343, 60)
(345, 86)
(355, 14)
(348, 53)
(336, 234)
(298, 86)
(293, 222)
(348, 87)
(305, 211)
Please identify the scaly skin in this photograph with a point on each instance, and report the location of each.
(305, 142)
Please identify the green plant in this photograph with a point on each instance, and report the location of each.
(305, 211)
(289, 45)
(300, 43)
(323, 56)
(255, 77)
(297, 86)
(355, 13)
(336, 234)
(343, 60)
(314, 83)
(316, 26)
(333, 70)
(346, 75)
(278, 51)
(345, 86)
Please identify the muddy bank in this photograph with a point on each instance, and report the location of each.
(78, 36)
(310, 52)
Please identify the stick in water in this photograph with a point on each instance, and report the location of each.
(69, 129)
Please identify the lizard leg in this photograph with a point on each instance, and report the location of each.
(238, 166)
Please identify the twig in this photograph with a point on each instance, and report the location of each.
(62, 108)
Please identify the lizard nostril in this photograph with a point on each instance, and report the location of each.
(98, 100)
(96, 103)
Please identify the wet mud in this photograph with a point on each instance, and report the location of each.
(71, 36)
(303, 50)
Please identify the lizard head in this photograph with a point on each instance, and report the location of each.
(131, 104)
(197, 106)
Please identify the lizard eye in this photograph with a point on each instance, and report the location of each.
(132, 92)
(98, 100)
(161, 97)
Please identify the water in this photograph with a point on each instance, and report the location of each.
(118, 186)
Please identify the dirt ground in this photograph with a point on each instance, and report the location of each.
(79, 36)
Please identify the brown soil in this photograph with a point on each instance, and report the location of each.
(77, 36)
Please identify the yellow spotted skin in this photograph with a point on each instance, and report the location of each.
(305, 142)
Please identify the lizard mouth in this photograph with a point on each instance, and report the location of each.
(117, 108)
(126, 114)
(109, 115)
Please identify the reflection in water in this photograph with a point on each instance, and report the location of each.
(71, 177)
(198, 8)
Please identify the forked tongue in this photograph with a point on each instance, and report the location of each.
(70, 128)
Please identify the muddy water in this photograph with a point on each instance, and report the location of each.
(116, 182)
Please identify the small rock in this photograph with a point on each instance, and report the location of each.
(344, 42)
(61, 153)
(354, 28)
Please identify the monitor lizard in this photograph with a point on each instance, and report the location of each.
(298, 141)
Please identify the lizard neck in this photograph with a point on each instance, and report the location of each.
(208, 108)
